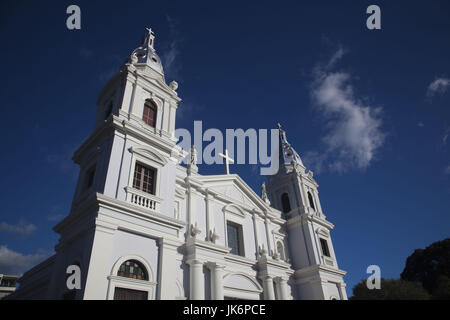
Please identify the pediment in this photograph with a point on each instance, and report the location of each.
(157, 81)
(149, 153)
(233, 192)
(235, 189)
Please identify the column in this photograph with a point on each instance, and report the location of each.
(269, 238)
(217, 272)
(269, 293)
(191, 216)
(165, 124)
(283, 289)
(255, 228)
(172, 120)
(197, 280)
(209, 216)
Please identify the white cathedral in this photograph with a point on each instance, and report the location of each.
(143, 226)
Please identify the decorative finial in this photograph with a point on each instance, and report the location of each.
(174, 85)
(195, 230)
(192, 165)
(133, 59)
(264, 193)
(279, 126)
(262, 250)
(213, 235)
(193, 156)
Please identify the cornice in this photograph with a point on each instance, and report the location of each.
(307, 271)
(305, 218)
(241, 260)
(193, 243)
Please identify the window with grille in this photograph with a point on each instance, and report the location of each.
(144, 178)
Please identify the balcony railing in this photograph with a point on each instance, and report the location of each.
(143, 199)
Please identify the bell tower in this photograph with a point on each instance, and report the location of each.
(294, 192)
(127, 170)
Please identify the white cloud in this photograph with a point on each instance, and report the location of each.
(22, 228)
(439, 85)
(354, 134)
(15, 263)
(445, 137)
(447, 170)
(170, 59)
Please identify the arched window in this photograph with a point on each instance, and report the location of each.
(132, 269)
(311, 202)
(280, 249)
(285, 203)
(149, 115)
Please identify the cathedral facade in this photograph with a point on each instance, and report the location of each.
(144, 226)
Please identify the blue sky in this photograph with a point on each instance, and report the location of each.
(368, 111)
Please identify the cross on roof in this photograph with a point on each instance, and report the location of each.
(149, 37)
(228, 160)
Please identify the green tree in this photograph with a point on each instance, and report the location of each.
(391, 289)
(430, 267)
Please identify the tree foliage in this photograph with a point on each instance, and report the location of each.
(430, 267)
(391, 289)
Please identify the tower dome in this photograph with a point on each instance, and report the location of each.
(146, 54)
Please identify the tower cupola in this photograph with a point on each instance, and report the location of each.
(146, 53)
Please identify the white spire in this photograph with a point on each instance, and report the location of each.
(287, 153)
